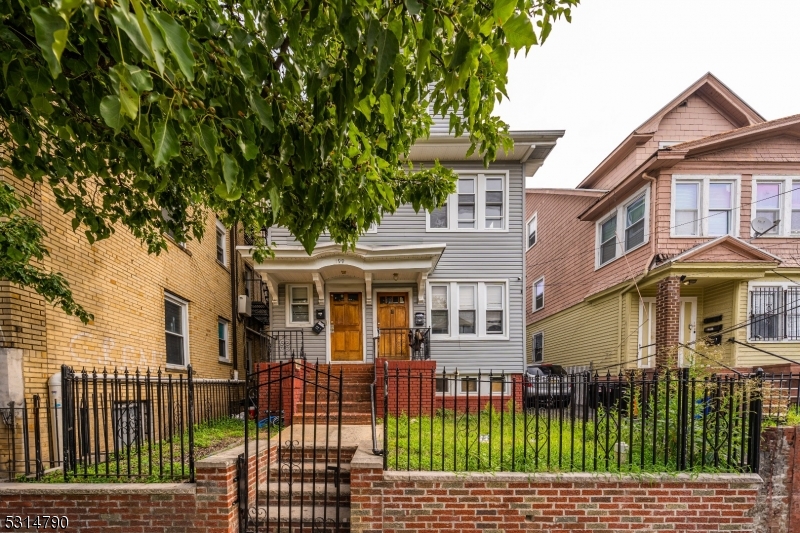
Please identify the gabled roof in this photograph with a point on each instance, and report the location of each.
(708, 87)
(725, 249)
(567, 192)
(783, 126)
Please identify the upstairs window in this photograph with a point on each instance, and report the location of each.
(221, 244)
(624, 229)
(538, 294)
(777, 199)
(704, 206)
(480, 203)
(532, 231)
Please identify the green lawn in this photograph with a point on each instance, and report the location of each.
(527, 443)
(161, 462)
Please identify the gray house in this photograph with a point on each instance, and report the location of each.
(447, 285)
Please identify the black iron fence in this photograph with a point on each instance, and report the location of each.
(673, 421)
(285, 345)
(124, 425)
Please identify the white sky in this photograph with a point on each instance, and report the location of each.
(620, 61)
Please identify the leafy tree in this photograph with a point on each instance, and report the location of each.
(297, 113)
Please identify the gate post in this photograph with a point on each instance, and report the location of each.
(756, 412)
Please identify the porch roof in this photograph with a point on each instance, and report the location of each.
(409, 263)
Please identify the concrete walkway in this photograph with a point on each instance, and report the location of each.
(352, 435)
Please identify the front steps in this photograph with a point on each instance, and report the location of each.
(356, 396)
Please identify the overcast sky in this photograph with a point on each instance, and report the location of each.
(620, 61)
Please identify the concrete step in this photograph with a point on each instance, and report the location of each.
(348, 419)
(321, 517)
(309, 451)
(319, 493)
(322, 408)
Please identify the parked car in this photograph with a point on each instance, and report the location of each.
(547, 385)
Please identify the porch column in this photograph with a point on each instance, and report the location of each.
(668, 319)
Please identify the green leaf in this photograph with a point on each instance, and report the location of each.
(207, 136)
(51, 36)
(140, 80)
(413, 6)
(423, 56)
(230, 171)
(110, 111)
(263, 110)
(157, 43)
(503, 9)
(125, 21)
(388, 47)
(249, 150)
(42, 105)
(387, 110)
(165, 143)
(177, 40)
(519, 32)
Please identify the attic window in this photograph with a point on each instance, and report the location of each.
(666, 144)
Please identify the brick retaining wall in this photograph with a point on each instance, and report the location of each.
(208, 505)
(513, 503)
(778, 508)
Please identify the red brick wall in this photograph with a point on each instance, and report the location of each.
(209, 505)
(281, 388)
(779, 498)
(431, 501)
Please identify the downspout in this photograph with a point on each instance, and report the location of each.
(234, 299)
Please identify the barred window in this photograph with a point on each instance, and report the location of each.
(775, 313)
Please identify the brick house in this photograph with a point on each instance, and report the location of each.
(689, 230)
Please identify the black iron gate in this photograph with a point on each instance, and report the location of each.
(290, 475)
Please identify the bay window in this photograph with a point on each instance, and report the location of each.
(704, 206)
(480, 203)
(624, 229)
(479, 309)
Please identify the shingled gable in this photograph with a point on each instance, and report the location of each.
(725, 249)
(711, 90)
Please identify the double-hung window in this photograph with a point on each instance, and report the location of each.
(222, 336)
(175, 328)
(532, 231)
(538, 294)
(298, 305)
(221, 244)
(495, 296)
(480, 203)
(464, 309)
(776, 200)
(440, 316)
(624, 229)
(775, 312)
(704, 206)
(537, 347)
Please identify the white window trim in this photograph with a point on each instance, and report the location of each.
(619, 213)
(185, 326)
(535, 221)
(645, 363)
(480, 307)
(288, 305)
(480, 205)
(227, 325)
(533, 347)
(750, 286)
(220, 226)
(533, 295)
(785, 226)
(704, 180)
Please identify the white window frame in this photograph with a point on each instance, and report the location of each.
(785, 226)
(480, 205)
(474, 309)
(535, 220)
(453, 385)
(619, 213)
(184, 305)
(480, 308)
(220, 227)
(288, 305)
(533, 346)
(754, 284)
(449, 308)
(667, 144)
(704, 180)
(533, 294)
(647, 361)
(227, 339)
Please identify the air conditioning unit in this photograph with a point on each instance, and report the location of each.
(245, 305)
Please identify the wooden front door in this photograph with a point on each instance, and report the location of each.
(393, 325)
(346, 327)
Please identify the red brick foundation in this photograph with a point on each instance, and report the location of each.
(209, 505)
(515, 503)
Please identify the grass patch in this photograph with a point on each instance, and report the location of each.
(524, 442)
(164, 461)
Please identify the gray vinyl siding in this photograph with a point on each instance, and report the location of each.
(314, 345)
(474, 255)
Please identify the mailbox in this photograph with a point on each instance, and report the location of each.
(318, 327)
(419, 319)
